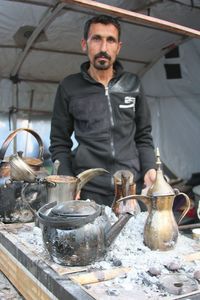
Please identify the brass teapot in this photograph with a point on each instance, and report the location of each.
(29, 164)
(161, 229)
(20, 170)
(15, 172)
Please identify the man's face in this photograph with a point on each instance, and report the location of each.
(102, 45)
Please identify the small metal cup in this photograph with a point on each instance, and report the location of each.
(196, 234)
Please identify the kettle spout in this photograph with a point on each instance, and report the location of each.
(116, 228)
(145, 199)
(87, 175)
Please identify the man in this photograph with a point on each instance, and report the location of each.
(105, 108)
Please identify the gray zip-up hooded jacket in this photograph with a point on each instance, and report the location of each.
(112, 127)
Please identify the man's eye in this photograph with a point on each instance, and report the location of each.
(111, 40)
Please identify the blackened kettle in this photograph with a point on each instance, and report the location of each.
(77, 232)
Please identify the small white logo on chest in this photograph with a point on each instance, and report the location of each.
(128, 102)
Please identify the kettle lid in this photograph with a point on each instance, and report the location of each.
(68, 214)
(75, 208)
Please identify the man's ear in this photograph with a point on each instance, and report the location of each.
(119, 47)
(84, 45)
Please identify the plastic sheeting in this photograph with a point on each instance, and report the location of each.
(28, 98)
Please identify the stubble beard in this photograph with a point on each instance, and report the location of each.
(102, 65)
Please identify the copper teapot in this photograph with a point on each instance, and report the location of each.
(124, 186)
(161, 229)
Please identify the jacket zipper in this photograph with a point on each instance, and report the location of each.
(112, 126)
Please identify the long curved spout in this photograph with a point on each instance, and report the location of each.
(116, 228)
(145, 199)
(87, 175)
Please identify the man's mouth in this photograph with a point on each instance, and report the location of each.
(102, 56)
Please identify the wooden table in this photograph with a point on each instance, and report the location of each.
(36, 277)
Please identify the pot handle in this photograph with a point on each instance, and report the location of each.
(187, 199)
(6, 143)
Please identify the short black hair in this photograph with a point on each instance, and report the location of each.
(103, 19)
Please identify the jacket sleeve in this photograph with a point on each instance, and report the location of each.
(143, 137)
(61, 131)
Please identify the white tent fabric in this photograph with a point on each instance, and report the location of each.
(40, 44)
(175, 108)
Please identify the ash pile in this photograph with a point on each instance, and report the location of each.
(162, 272)
(157, 273)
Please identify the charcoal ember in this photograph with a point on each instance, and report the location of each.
(141, 250)
(173, 266)
(196, 275)
(154, 271)
(116, 262)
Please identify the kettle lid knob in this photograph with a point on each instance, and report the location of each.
(160, 187)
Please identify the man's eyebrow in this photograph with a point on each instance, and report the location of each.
(96, 35)
(110, 37)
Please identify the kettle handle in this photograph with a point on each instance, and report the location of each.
(7, 141)
(187, 199)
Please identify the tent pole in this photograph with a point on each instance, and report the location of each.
(29, 120)
(13, 117)
(136, 18)
(52, 14)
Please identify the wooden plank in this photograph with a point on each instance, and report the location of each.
(62, 270)
(136, 18)
(29, 287)
(98, 276)
(193, 256)
(31, 275)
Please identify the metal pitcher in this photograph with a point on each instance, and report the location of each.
(61, 188)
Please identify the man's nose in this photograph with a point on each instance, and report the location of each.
(104, 45)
